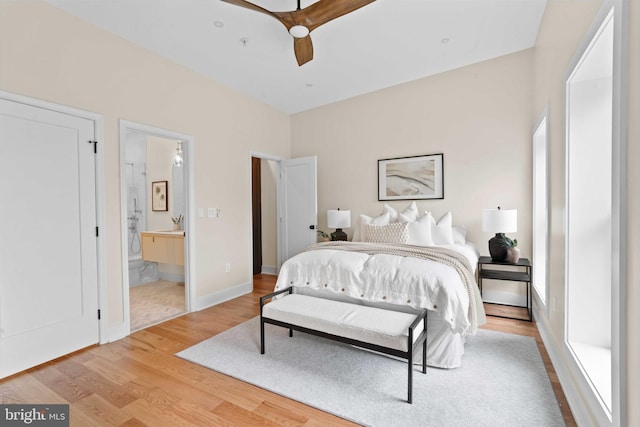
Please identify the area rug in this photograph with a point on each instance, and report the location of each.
(502, 382)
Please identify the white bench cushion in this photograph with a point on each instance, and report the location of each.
(369, 324)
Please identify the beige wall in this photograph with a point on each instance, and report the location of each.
(160, 153)
(51, 55)
(479, 117)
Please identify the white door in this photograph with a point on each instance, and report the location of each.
(48, 244)
(299, 209)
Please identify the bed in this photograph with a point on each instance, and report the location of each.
(386, 267)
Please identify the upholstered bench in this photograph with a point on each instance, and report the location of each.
(386, 331)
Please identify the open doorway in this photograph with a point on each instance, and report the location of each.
(154, 174)
(284, 209)
(264, 201)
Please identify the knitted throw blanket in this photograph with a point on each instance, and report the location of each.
(433, 253)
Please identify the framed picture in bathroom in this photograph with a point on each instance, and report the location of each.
(159, 199)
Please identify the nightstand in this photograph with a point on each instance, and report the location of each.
(522, 274)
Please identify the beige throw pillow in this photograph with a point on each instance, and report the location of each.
(391, 233)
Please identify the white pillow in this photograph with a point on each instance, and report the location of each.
(420, 231)
(396, 232)
(459, 234)
(441, 231)
(409, 214)
(360, 233)
(393, 214)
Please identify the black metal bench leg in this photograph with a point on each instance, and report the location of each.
(410, 382)
(261, 335)
(424, 356)
(424, 348)
(410, 365)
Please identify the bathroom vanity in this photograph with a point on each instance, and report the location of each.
(166, 247)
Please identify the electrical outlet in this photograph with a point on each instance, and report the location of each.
(211, 212)
(554, 303)
(227, 267)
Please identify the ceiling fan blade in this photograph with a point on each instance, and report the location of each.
(284, 17)
(304, 50)
(247, 5)
(324, 11)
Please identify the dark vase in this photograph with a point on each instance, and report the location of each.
(496, 248)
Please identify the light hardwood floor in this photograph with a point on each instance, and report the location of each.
(138, 381)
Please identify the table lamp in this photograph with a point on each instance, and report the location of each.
(499, 221)
(338, 219)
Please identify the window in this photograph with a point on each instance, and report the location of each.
(589, 216)
(540, 209)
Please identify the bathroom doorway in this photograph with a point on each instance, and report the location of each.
(154, 185)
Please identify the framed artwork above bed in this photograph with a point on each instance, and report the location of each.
(411, 178)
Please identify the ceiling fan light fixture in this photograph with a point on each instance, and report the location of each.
(299, 31)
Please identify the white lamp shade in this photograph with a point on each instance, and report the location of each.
(499, 220)
(338, 219)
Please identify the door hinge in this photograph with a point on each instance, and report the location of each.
(95, 146)
(99, 314)
(97, 231)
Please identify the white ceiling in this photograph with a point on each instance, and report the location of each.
(385, 43)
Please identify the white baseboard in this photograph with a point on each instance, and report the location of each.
(579, 408)
(269, 269)
(216, 298)
(499, 297)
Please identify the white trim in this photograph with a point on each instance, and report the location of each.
(264, 156)
(619, 211)
(189, 225)
(224, 295)
(544, 117)
(270, 269)
(101, 209)
(580, 412)
(98, 120)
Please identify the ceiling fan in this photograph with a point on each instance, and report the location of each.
(301, 22)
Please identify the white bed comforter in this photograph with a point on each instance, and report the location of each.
(387, 278)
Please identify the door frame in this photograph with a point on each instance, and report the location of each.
(278, 160)
(189, 224)
(280, 201)
(98, 130)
